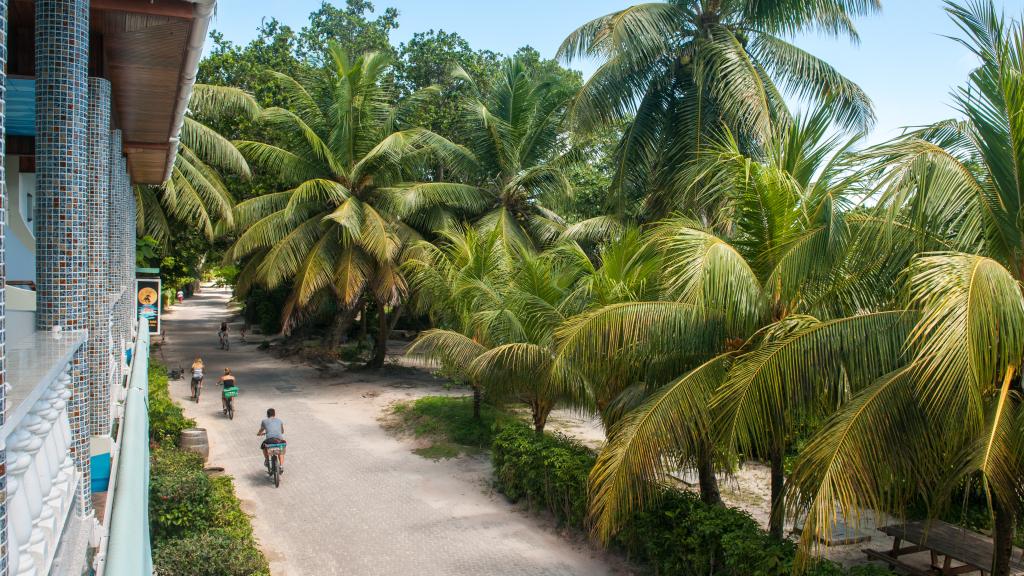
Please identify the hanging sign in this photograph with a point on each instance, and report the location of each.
(147, 292)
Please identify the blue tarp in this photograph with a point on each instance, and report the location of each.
(99, 472)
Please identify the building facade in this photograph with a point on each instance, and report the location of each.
(93, 94)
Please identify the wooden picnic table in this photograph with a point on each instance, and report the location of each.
(954, 550)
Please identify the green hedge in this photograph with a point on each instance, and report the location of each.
(550, 472)
(211, 553)
(166, 420)
(681, 535)
(179, 494)
(197, 524)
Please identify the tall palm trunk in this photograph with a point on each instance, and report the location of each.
(364, 323)
(709, 492)
(777, 519)
(477, 398)
(384, 327)
(540, 417)
(342, 322)
(380, 341)
(1002, 536)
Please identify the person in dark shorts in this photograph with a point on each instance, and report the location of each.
(197, 374)
(226, 381)
(273, 428)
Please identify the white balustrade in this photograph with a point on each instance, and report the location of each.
(41, 475)
(41, 481)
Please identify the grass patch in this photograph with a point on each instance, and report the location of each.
(439, 451)
(448, 423)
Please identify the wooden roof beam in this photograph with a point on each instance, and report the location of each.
(139, 146)
(170, 8)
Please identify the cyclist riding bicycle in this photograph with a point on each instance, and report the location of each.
(226, 381)
(197, 374)
(273, 428)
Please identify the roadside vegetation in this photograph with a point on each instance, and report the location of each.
(446, 425)
(197, 525)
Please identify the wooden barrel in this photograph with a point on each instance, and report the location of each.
(195, 440)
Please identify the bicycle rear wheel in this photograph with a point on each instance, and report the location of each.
(275, 471)
(231, 408)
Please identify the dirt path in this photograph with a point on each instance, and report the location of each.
(354, 500)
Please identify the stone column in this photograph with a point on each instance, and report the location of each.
(62, 54)
(3, 283)
(98, 346)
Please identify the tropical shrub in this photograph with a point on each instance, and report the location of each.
(679, 534)
(225, 510)
(179, 493)
(550, 472)
(209, 553)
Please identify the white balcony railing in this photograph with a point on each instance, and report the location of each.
(42, 482)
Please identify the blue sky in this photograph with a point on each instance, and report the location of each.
(903, 61)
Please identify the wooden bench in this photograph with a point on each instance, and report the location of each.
(947, 544)
(895, 563)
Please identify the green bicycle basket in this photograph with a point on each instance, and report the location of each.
(231, 392)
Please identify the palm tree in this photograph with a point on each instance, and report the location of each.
(787, 273)
(953, 414)
(451, 279)
(335, 230)
(508, 341)
(520, 166)
(680, 70)
(195, 195)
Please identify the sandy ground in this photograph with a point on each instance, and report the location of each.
(354, 500)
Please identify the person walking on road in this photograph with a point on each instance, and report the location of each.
(222, 335)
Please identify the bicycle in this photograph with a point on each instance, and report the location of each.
(229, 401)
(225, 344)
(275, 468)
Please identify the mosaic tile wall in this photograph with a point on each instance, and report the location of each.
(131, 235)
(113, 238)
(3, 278)
(119, 245)
(124, 261)
(62, 52)
(98, 346)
